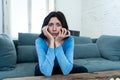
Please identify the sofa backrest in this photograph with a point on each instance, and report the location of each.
(26, 51)
(85, 48)
(82, 40)
(109, 47)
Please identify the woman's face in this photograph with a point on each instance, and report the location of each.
(54, 26)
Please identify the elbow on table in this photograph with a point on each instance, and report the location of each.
(68, 69)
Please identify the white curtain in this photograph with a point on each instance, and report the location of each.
(25, 15)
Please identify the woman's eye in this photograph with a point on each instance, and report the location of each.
(50, 24)
(58, 24)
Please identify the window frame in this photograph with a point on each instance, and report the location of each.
(7, 15)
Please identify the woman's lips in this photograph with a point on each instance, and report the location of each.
(54, 34)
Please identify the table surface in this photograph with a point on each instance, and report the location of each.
(104, 75)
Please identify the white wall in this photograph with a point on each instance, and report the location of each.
(72, 11)
(100, 17)
(1, 16)
(92, 17)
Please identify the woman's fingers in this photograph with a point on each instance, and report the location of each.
(46, 33)
(45, 30)
(64, 33)
(68, 33)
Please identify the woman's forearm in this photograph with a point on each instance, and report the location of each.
(51, 44)
(58, 43)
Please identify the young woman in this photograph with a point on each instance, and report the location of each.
(55, 47)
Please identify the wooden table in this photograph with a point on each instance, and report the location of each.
(104, 75)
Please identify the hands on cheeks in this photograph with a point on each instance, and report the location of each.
(59, 39)
(62, 34)
(47, 34)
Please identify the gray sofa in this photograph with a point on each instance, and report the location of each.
(20, 59)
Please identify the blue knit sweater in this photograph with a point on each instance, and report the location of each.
(52, 57)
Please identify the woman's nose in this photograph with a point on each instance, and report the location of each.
(54, 27)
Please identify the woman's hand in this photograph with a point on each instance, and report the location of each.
(46, 33)
(62, 34)
(49, 37)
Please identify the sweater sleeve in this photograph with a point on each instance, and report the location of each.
(65, 56)
(46, 57)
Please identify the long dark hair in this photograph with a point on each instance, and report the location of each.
(60, 16)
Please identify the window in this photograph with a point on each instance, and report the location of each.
(39, 11)
(25, 15)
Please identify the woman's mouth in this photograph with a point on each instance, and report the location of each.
(54, 34)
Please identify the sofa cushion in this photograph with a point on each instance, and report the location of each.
(27, 53)
(21, 70)
(7, 53)
(27, 38)
(89, 50)
(98, 64)
(109, 47)
(82, 40)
